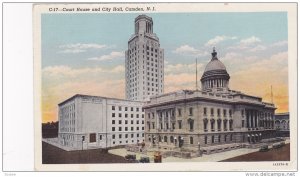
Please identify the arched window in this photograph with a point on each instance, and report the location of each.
(165, 139)
(219, 122)
(172, 139)
(205, 121)
(212, 124)
(230, 124)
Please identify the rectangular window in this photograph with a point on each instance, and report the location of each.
(113, 108)
(113, 136)
(126, 121)
(113, 129)
(113, 115)
(126, 108)
(137, 128)
(126, 135)
(131, 115)
(100, 137)
(131, 128)
(120, 128)
(120, 122)
(120, 108)
(205, 111)
(243, 123)
(113, 122)
(218, 112)
(92, 137)
(126, 115)
(173, 126)
(120, 135)
(230, 113)
(131, 135)
(224, 113)
(131, 108)
(153, 125)
(191, 140)
(126, 128)
(137, 122)
(179, 112)
(212, 111)
(191, 111)
(179, 124)
(131, 122)
(120, 115)
(137, 109)
(137, 116)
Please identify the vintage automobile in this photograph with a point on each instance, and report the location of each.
(131, 157)
(144, 160)
(277, 145)
(263, 148)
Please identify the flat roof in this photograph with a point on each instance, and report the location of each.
(82, 95)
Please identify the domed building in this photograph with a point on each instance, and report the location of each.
(212, 119)
(215, 76)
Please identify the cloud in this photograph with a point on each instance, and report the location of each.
(67, 71)
(79, 47)
(279, 44)
(189, 50)
(251, 44)
(111, 56)
(182, 68)
(258, 48)
(218, 39)
(250, 41)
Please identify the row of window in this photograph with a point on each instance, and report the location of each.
(127, 135)
(126, 115)
(126, 128)
(126, 122)
(137, 109)
(126, 142)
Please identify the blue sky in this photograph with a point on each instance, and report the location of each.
(84, 53)
(174, 30)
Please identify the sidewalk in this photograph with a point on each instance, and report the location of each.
(205, 158)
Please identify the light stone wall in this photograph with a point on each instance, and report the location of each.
(94, 115)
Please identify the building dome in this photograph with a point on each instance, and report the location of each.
(215, 75)
(215, 65)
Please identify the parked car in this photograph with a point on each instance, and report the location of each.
(263, 148)
(130, 157)
(277, 145)
(144, 160)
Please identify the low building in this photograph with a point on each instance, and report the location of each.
(282, 124)
(87, 122)
(209, 117)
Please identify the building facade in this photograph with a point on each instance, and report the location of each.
(87, 122)
(282, 124)
(144, 62)
(214, 115)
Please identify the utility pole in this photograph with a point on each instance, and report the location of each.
(272, 95)
(196, 76)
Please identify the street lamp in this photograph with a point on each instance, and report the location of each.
(175, 141)
(82, 142)
(199, 148)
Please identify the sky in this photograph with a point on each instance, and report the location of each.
(84, 53)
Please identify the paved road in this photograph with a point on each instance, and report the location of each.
(281, 154)
(54, 155)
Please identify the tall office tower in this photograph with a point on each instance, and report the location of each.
(144, 62)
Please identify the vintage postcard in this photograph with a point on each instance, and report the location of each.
(165, 87)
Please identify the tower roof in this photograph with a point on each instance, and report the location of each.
(215, 68)
(215, 63)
